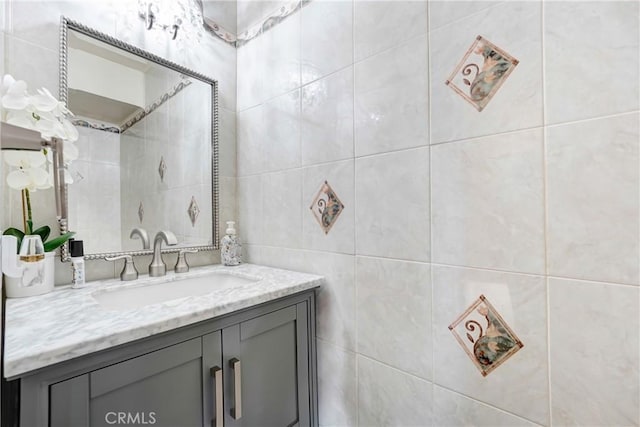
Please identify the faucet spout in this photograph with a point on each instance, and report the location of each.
(157, 266)
(142, 234)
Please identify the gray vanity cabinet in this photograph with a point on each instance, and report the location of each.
(251, 368)
(267, 372)
(162, 388)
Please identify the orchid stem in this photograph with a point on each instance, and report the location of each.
(28, 221)
(24, 217)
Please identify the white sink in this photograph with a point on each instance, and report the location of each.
(137, 296)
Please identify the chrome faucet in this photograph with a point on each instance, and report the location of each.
(157, 266)
(142, 233)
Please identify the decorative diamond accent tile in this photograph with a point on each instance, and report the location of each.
(481, 72)
(193, 211)
(485, 336)
(162, 168)
(326, 207)
(141, 212)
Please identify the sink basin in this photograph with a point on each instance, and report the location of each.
(132, 297)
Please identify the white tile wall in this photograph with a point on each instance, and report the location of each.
(336, 309)
(327, 38)
(380, 25)
(487, 202)
(518, 199)
(453, 409)
(391, 99)
(394, 313)
(282, 209)
(592, 57)
(389, 397)
(590, 384)
(327, 118)
(280, 134)
(442, 13)
(392, 205)
(282, 53)
(594, 199)
(337, 388)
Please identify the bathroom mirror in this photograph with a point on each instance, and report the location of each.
(147, 149)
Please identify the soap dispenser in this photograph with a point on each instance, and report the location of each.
(231, 248)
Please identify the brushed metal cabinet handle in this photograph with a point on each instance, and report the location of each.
(218, 421)
(235, 364)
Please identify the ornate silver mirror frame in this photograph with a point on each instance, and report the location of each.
(62, 190)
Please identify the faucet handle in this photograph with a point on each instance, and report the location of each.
(182, 266)
(129, 271)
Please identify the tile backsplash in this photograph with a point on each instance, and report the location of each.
(475, 212)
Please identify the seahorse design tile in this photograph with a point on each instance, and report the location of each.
(481, 72)
(326, 207)
(485, 336)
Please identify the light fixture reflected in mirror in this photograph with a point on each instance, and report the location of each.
(176, 17)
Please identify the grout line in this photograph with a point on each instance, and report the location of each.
(591, 119)
(431, 281)
(394, 47)
(299, 120)
(478, 12)
(489, 135)
(548, 126)
(545, 201)
(439, 264)
(480, 402)
(355, 206)
(395, 368)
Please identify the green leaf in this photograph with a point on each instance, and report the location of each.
(54, 244)
(43, 232)
(15, 232)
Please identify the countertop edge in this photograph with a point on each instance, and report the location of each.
(27, 365)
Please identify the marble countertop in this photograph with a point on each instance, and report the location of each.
(68, 323)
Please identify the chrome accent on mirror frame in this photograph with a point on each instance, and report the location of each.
(62, 190)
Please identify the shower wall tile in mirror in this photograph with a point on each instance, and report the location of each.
(155, 142)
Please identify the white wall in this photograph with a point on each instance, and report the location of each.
(532, 202)
(31, 35)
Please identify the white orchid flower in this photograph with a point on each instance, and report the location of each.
(70, 131)
(24, 159)
(22, 118)
(14, 94)
(31, 179)
(43, 101)
(44, 113)
(7, 81)
(30, 173)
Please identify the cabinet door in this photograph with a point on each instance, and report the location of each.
(267, 370)
(162, 388)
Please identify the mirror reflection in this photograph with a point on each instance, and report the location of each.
(145, 146)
